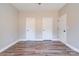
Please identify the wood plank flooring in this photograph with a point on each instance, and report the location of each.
(39, 48)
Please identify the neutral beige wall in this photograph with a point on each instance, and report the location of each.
(8, 25)
(38, 16)
(72, 11)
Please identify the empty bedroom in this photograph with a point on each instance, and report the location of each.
(39, 29)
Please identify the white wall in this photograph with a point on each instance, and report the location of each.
(38, 16)
(8, 25)
(72, 11)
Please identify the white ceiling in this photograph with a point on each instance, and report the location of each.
(35, 7)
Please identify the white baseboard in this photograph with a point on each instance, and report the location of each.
(3, 49)
(70, 46)
(56, 39)
(30, 40)
(37, 40)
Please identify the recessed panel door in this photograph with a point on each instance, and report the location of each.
(30, 28)
(47, 28)
(63, 28)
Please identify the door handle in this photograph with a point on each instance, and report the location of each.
(64, 31)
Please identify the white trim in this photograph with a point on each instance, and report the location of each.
(30, 40)
(22, 39)
(37, 40)
(70, 46)
(55, 39)
(11, 44)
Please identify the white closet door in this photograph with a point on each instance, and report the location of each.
(63, 28)
(47, 28)
(30, 28)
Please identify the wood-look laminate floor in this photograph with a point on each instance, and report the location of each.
(39, 48)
